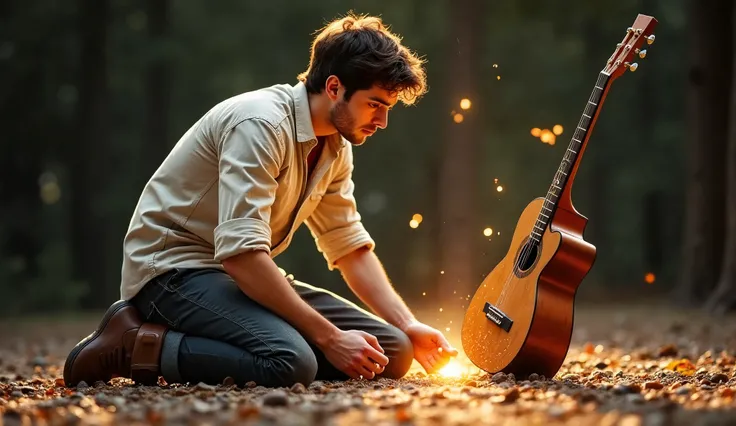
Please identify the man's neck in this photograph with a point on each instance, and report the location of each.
(319, 111)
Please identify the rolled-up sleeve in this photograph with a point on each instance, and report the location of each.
(249, 161)
(335, 223)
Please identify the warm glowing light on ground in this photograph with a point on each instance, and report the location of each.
(452, 369)
(413, 223)
(458, 118)
(499, 188)
(557, 129)
(488, 232)
(417, 217)
(649, 278)
(536, 132)
(465, 103)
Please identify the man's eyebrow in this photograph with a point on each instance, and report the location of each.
(381, 101)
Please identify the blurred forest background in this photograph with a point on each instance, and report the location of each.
(94, 93)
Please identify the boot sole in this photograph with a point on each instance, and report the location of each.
(117, 306)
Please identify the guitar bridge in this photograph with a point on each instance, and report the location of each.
(498, 317)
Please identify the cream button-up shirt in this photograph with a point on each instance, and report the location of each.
(237, 181)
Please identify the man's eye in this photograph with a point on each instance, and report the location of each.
(373, 105)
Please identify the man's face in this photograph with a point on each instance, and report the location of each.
(360, 117)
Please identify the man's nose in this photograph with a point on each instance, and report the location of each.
(381, 119)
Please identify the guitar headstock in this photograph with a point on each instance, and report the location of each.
(637, 37)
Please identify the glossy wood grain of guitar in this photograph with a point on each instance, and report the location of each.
(520, 319)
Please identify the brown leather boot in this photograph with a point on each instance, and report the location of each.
(122, 346)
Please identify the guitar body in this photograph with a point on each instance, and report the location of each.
(539, 299)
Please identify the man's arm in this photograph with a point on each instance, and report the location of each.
(366, 277)
(258, 276)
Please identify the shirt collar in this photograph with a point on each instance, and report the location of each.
(303, 118)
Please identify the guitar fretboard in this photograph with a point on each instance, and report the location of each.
(579, 138)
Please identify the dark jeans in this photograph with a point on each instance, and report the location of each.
(216, 331)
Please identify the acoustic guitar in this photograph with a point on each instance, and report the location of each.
(520, 319)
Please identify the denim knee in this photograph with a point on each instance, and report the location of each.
(400, 352)
(298, 364)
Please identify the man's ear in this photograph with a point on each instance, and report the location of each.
(332, 87)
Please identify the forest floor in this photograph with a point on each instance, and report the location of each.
(627, 365)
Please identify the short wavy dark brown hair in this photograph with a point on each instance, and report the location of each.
(362, 52)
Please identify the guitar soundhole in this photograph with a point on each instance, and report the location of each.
(527, 257)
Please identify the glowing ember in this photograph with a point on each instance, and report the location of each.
(458, 118)
(547, 137)
(488, 232)
(649, 278)
(536, 132)
(413, 223)
(440, 309)
(465, 103)
(495, 65)
(498, 77)
(424, 293)
(557, 129)
(417, 217)
(442, 272)
(499, 188)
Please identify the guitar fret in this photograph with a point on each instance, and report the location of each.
(544, 215)
(587, 115)
(581, 128)
(575, 152)
(598, 87)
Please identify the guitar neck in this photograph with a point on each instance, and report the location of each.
(559, 190)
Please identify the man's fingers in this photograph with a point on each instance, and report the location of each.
(373, 341)
(425, 365)
(372, 366)
(432, 361)
(377, 357)
(353, 373)
(446, 347)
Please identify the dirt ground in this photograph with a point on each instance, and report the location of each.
(627, 365)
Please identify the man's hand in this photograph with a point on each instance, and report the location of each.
(431, 349)
(356, 353)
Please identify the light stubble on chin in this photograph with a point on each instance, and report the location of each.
(344, 123)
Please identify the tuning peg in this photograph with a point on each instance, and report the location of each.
(631, 67)
(650, 39)
(642, 53)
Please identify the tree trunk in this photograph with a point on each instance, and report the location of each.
(158, 87)
(723, 298)
(710, 79)
(87, 161)
(459, 232)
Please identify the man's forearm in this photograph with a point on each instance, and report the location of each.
(260, 279)
(366, 277)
